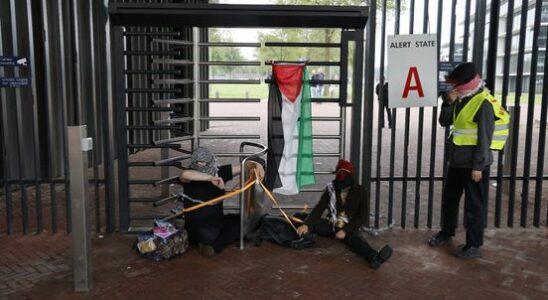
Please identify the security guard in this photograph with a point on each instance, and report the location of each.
(479, 125)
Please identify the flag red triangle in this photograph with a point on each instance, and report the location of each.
(289, 79)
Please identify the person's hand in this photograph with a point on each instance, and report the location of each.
(476, 176)
(302, 230)
(451, 97)
(340, 234)
(218, 182)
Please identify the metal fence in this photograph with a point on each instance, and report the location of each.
(67, 66)
(70, 47)
(414, 150)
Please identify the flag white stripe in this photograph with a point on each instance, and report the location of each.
(288, 164)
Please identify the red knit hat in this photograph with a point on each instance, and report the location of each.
(343, 165)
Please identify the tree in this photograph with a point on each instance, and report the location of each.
(223, 54)
(328, 35)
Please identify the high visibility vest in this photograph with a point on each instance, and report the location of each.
(465, 130)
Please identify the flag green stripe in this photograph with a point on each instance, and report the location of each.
(305, 161)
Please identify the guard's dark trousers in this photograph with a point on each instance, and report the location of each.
(457, 181)
(352, 240)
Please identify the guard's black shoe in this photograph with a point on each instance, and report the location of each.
(381, 257)
(439, 240)
(464, 251)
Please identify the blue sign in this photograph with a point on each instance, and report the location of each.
(13, 61)
(445, 67)
(14, 82)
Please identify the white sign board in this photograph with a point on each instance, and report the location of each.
(412, 70)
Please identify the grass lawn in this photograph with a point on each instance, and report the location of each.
(524, 99)
(252, 91)
(238, 91)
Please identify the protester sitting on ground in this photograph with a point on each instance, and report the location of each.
(209, 227)
(347, 212)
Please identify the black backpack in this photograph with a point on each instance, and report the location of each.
(277, 230)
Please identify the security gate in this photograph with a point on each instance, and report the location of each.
(168, 104)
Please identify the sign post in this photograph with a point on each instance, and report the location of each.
(78, 145)
(412, 70)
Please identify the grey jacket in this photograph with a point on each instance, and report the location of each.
(477, 157)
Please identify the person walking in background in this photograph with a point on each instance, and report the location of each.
(320, 77)
(314, 84)
(479, 124)
(384, 101)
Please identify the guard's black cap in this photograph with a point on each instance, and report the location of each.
(463, 73)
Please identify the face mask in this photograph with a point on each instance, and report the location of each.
(343, 183)
(204, 161)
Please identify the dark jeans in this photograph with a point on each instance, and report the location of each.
(457, 181)
(218, 236)
(357, 244)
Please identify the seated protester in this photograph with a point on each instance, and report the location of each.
(347, 212)
(208, 226)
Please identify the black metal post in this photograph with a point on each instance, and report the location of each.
(541, 148)
(393, 132)
(505, 87)
(121, 122)
(368, 103)
(530, 116)
(380, 113)
(491, 67)
(479, 35)
(433, 145)
(515, 128)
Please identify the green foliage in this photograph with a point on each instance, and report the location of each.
(223, 53)
(291, 35)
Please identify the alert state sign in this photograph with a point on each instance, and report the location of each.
(412, 70)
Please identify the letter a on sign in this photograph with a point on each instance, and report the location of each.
(413, 73)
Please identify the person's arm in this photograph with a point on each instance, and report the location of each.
(361, 216)
(485, 118)
(447, 107)
(318, 210)
(187, 176)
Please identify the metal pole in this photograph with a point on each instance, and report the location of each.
(491, 73)
(368, 104)
(196, 77)
(479, 35)
(78, 144)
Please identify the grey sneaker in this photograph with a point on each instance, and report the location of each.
(464, 251)
(439, 240)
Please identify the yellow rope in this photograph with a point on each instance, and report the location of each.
(247, 185)
(220, 198)
(276, 202)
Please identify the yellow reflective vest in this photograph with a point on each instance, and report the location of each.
(465, 130)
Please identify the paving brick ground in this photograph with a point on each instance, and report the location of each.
(514, 266)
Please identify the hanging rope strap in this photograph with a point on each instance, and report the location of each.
(247, 185)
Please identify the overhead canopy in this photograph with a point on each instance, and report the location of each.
(229, 15)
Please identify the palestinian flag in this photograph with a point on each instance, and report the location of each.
(290, 162)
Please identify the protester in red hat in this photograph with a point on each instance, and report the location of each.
(344, 200)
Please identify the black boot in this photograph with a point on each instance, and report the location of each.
(439, 240)
(381, 257)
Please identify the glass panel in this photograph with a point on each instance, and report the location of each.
(542, 37)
